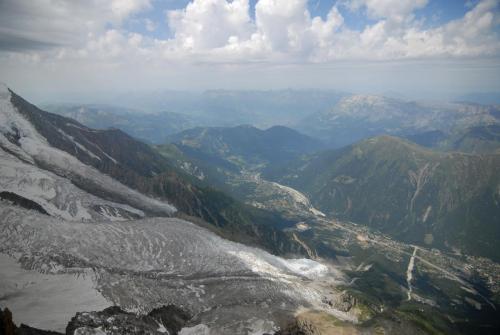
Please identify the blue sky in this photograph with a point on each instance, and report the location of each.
(441, 46)
(434, 14)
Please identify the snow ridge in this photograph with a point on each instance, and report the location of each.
(19, 137)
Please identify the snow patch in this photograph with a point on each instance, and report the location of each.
(3, 88)
(259, 326)
(426, 214)
(363, 268)
(161, 328)
(13, 123)
(90, 331)
(280, 267)
(409, 272)
(200, 329)
(78, 145)
(46, 301)
(305, 267)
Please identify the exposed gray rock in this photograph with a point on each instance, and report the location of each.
(113, 320)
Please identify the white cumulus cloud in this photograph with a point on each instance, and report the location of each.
(393, 10)
(208, 24)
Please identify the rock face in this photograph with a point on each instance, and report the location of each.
(7, 326)
(16, 199)
(299, 327)
(113, 320)
(343, 302)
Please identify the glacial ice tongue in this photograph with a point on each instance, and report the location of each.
(148, 263)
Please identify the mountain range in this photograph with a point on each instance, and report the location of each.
(477, 140)
(426, 199)
(236, 229)
(115, 154)
(358, 117)
(246, 146)
(151, 116)
(437, 198)
(335, 118)
(148, 127)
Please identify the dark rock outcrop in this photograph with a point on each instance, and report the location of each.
(344, 302)
(299, 327)
(22, 201)
(7, 326)
(113, 320)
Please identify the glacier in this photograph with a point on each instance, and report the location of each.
(58, 196)
(143, 264)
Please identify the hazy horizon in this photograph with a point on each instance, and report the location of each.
(111, 97)
(425, 49)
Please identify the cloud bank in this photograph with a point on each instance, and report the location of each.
(96, 33)
(220, 31)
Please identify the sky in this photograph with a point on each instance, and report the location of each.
(425, 48)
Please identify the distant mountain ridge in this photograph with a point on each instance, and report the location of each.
(477, 140)
(337, 118)
(228, 108)
(150, 127)
(247, 146)
(358, 117)
(151, 116)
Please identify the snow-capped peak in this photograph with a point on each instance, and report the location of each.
(19, 137)
(3, 89)
(12, 122)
